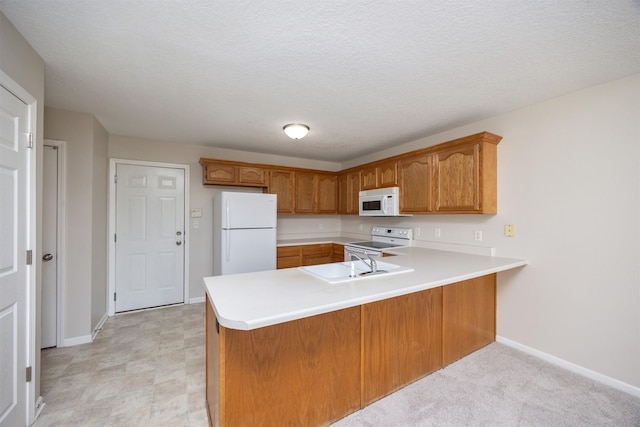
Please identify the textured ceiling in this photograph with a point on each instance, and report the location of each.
(364, 75)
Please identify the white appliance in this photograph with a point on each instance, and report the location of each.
(380, 202)
(381, 238)
(244, 232)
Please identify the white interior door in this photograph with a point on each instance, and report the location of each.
(150, 227)
(14, 191)
(49, 310)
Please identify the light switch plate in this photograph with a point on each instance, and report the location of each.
(196, 213)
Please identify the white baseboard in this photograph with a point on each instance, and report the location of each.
(40, 404)
(603, 379)
(196, 300)
(84, 339)
(98, 327)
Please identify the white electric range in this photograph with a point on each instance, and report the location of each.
(381, 238)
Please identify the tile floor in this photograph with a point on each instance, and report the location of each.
(143, 369)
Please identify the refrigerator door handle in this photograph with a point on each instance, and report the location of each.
(228, 247)
(227, 220)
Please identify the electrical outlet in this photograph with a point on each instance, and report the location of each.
(478, 235)
(510, 230)
(196, 223)
(321, 226)
(437, 232)
(361, 226)
(418, 231)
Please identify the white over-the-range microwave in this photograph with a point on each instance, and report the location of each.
(380, 202)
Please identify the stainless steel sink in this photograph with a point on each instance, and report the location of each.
(339, 272)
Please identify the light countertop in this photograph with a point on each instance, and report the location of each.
(254, 300)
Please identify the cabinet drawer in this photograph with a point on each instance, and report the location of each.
(288, 262)
(322, 249)
(285, 251)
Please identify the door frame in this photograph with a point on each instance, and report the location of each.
(111, 273)
(61, 274)
(34, 218)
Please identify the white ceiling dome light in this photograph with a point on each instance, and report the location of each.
(296, 130)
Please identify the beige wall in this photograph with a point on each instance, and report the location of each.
(569, 179)
(25, 67)
(100, 211)
(86, 225)
(201, 197)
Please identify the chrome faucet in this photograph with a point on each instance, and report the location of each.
(371, 264)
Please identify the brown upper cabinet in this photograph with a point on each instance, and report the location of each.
(379, 175)
(349, 192)
(457, 179)
(465, 179)
(416, 184)
(326, 193)
(227, 173)
(305, 194)
(281, 183)
(316, 193)
(458, 176)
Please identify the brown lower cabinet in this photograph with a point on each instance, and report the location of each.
(296, 256)
(316, 370)
(402, 341)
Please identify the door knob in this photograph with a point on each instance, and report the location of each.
(47, 257)
(178, 243)
(179, 233)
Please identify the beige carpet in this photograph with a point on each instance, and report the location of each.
(500, 386)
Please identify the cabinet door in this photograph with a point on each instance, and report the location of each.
(353, 193)
(468, 317)
(327, 194)
(289, 256)
(402, 341)
(388, 174)
(337, 252)
(457, 177)
(305, 194)
(249, 176)
(342, 194)
(281, 184)
(369, 178)
(416, 185)
(219, 174)
(317, 254)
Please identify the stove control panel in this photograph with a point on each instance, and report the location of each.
(397, 232)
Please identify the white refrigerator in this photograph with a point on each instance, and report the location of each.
(244, 232)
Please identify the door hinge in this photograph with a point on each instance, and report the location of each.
(30, 143)
(28, 374)
(29, 257)
(115, 179)
(114, 296)
(115, 238)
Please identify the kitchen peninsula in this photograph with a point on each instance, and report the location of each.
(287, 348)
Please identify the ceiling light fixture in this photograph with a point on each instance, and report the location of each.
(296, 130)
